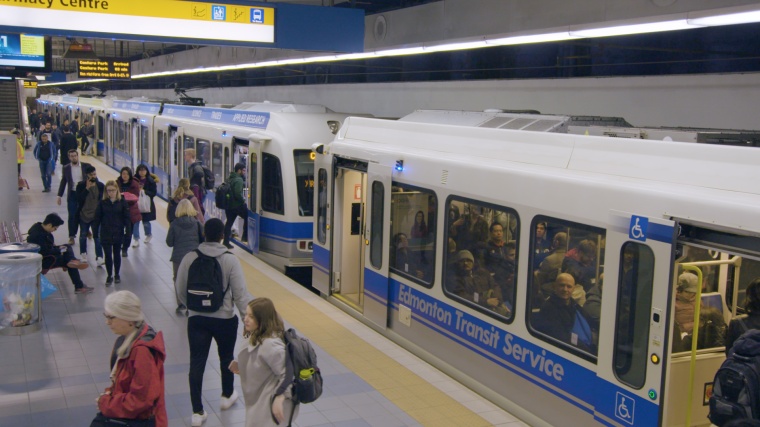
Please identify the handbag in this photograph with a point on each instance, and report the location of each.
(143, 202)
(103, 421)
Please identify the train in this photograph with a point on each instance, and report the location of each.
(272, 139)
(415, 219)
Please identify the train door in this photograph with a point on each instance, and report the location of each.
(175, 136)
(717, 266)
(320, 272)
(377, 239)
(134, 144)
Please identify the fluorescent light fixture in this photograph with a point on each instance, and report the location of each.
(534, 38)
(349, 56)
(326, 58)
(456, 46)
(74, 82)
(621, 30)
(400, 52)
(715, 18)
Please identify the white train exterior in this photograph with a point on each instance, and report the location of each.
(665, 202)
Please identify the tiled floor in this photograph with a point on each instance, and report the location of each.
(52, 377)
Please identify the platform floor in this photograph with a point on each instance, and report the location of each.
(53, 376)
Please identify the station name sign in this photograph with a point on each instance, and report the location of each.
(114, 70)
(30, 84)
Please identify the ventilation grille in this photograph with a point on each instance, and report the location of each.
(444, 177)
(543, 125)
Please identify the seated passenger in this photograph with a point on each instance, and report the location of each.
(475, 285)
(551, 265)
(498, 257)
(409, 262)
(560, 317)
(541, 247)
(583, 258)
(686, 294)
(53, 256)
(469, 229)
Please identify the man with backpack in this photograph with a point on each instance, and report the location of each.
(201, 178)
(210, 283)
(235, 203)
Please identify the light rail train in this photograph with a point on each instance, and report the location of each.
(413, 230)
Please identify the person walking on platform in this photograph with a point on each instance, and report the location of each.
(220, 325)
(261, 366)
(86, 133)
(53, 256)
(236, 205)
(89, 194)
(137, 367)
(44, 152)
(20, 156)
(129, 187)
(113, 215)
(184, 236)
(72, 174)
(196, 175)
(147, 183)
(75, 127)
(68, 143)
(34, 122)
(183, 192)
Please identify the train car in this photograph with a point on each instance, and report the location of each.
(514, 120)
(274, 141)
(128, 131)
(549, 272)
(95, 110)
(740, 138)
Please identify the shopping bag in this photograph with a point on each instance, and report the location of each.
(46, 288)
(22, 183)
(143, 202)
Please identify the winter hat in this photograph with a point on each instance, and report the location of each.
(124, 305)
(687, 282)
(465, 254)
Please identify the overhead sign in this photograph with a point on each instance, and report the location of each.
(30, 85)
(115, 70)
(162, 18)
(22, 50)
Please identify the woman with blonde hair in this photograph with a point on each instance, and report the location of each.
(261, 366)
(185, 234)
(136, 395)
(183, 191)
(113, 215)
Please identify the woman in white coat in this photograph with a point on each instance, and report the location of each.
(261, 366)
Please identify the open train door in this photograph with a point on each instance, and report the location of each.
(254, 189)
(377, 243)
(320, 270)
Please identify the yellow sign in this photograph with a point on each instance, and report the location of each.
(164, 18)
(93, 69)
(30, 85)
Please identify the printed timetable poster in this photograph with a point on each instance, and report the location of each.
(22, 50)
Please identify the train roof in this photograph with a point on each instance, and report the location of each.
(276, 107)
(719, 167)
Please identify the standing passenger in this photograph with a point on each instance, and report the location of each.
(261, 366)
(751, 320)
(236, 206)
(195, 174)
(148, 184)
(185, 234)
(72, 174)
(44, 152)
(89, 194)
(113, 215)
(183, 192)
(127, 184)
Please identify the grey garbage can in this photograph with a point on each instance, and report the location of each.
(21, 310)
(6, 248)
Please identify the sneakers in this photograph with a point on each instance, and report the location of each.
(83, 256)
(198, 419)
(84, 290)
(79, 265)
(148, 237)
(181, 309)
(100, 261)
(117, 279)
(71, 240)
(135, 243)
(109, 281)
(226, 402)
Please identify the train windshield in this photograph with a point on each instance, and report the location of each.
(304, 161)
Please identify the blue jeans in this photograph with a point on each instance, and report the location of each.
(84, 227)
(46, 169)
(136, 229)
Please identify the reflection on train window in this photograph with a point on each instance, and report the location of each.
(166, 153)
(216, 162)
(121, 136)
(481, 256)
(271, 184)
(566, 278)
(101, 126)
(160, 153)
(634, 305)
(304, 162)
(202, 152)
(413, 219)
(226, 163)
(189, 143)
(144, 144)
(376, 225)
(322, 206)
(253, 170)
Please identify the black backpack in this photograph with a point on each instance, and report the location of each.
(205, 284)
(736, 388)
(222, 196)
(300, 370)
(171, 210)
(209, 179)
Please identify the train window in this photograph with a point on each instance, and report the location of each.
(144, 144)
(632, 321)
(271, 184)
(123, 143)
(413, 227)
(189, 143)
(203, 152)
(101, 126)
(481, 254)
(565, 285)
(322, 206)
(376, 225)
(226, 162)
(253, 171)
(217, 160)
(160, 153)
(166, 153)
(304, 162)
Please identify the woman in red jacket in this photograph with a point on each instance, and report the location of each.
(137, 367)
(129, 186)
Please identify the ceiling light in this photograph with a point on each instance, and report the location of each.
(349, 56)
(456, 46)
(400, 52)
(534, 38)
(727, 17)
(626, 29)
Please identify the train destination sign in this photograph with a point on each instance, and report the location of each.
(95, 69)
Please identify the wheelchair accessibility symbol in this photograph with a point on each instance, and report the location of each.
(624, 408)
(637, 230)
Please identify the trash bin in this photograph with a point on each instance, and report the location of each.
(21, 309)
(6, 248)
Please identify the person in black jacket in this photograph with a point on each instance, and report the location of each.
(751, 320)
(147, 184)
(53, 256)
(68, 143)
(86, 132)
(89, 194)
(113, 215)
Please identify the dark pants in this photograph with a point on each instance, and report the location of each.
(71, 206)
(127, 238)
(84, 228)
(112, 252)
(46, 169)
(232, 214)
(85, 145)
(200, 331)
(62, 260)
